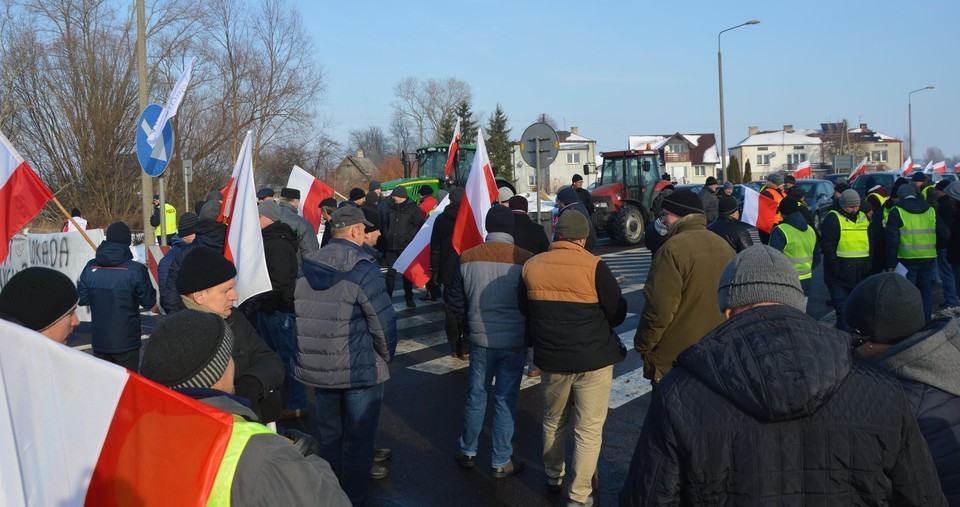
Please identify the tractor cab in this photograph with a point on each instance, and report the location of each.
(627, 191)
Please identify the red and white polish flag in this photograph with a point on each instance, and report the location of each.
(312, 191)
(759, 210)
(22, 194)
(414, 261)
(940, 167)
(244, 246)
(452, 151)
(803, 170)
(907, 166)
(80, 431)
(480, 193)
(928, 169)
(859, 171)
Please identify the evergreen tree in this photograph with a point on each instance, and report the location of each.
(498, 145)
(445, 133)
(747, 175)
(468, 128)
(733, 171)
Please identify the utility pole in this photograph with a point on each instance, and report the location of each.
(146, 188)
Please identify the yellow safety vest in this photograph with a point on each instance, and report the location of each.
(881, 198)
(918, 236)
(242, 431)
(854, 239)
(170, 215)
(925, 191)
(799, 248)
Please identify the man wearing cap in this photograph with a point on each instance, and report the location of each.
(886, 310)
(772, 190)
(945, 211)
(483, 296)
(307, 240)
(797, 239)
(402, 225)
(569, 202)
(42, 299)
(169, 215)
(277, 318)
(347, 336)
(572, 303)
(264, 194)
(912, 231)
(708, 196)
(583, 194)
(205, 282)
(771, 408)
(527, 235)
(847, 256)
(115, 286)
(187, 230)
(190, 353)
(443, 261)
(728, 225)
(680, 292)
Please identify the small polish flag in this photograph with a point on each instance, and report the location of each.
(860, 170)
(940, 167)
(480, 193)
(22, 194)
(759, 210)
(312, 191)
(803, 170)
(414, 261)
(452, 151)
(907, 166)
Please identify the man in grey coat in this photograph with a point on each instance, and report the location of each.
(307, 240)
(708, 196)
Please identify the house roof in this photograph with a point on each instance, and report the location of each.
(872, 136)
(569, 137)
(364, 165)
(703, 147)
(779, 137)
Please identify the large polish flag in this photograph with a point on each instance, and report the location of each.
(859, 171)
(803, 170)
(244, 245)
(940, 167)
(76, 430)
(907, 166)
(22, 194)
(480, 193)
(452, 151)
(414, 261)
(312, 191)
(759, 210)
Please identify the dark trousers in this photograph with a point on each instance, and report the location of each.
(347, 422)
(839, 295)
(390, 258)
(920, 273)
(129, 360)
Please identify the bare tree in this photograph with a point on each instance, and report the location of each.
(373, 141)
(400, 133)
(426, 104)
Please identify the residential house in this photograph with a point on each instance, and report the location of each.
(687, 158)
(883, 152)
(575, 151)
(778, 150)
(353, 171)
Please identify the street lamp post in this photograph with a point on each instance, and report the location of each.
(723, 137)
(910, 117)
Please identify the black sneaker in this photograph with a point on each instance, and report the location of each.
(410, 303)
(465, 461)
(381, 455)
(512, 467)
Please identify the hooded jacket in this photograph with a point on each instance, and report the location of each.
(770, 408)
(114, 286)
(926, 365)
(913, 205)
(346, 324)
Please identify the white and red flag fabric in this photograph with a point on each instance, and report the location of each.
(803, 170)
(79, 431)
(907, 166)
(414, 261)
(173, 103)
(940, 167)
(928, 169)
(759, 210)
(244, 246)
(452, 151)
(860, 170)
(22, 194)
(312, 191)
(480, 193)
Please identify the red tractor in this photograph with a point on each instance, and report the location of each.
(628, 194)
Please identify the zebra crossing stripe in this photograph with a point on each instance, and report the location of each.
(441, 365)
(413, 344)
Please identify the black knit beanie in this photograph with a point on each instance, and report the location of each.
(37, 297)
(203, 268)
(189, 349)
(357, 193)
(118, 232)
(499, 219)
(683, 203)
(885, 307)
(188, 224)
(727, 205)
(788, 206)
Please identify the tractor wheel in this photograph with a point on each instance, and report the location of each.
(657, 203)
(626, 226)
(599, 221)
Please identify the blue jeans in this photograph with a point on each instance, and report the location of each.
(921, 275)
(506, 365)
(839, 296)
(347, 420)
(947, 279)
(279, 330)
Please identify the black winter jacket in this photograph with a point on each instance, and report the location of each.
(402, 225)
(443, 257)
(770, 408)
(583, 195)
(210, 234)
(114, 286)
(258, 369)
(735, 232)
(839, 271)
(945, 211)
(280, 249)
(528, 235)
(877, 232)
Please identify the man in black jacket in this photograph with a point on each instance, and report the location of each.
(728, 225)
(567, 200)
(845, 243)
(582, 194)
(772, 408)
(443, 261)
(403, 223)
(708, 196)
(527, 235)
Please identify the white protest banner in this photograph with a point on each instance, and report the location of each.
(66, 252)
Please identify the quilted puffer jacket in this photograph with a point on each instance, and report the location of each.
(770, 408)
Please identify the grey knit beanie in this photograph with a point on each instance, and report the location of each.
(849, 198)
(759, 274)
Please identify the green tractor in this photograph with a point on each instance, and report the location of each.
(429, 167)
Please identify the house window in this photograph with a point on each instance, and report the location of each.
(796, 158)
(878, 156)
(763, 159)
(573, 158)
(676, 148)
(700, 170)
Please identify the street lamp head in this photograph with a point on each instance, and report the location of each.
(928, 88)
(753, 22)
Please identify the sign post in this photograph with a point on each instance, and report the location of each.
(187, 178)
(155, 159)
(539, 147)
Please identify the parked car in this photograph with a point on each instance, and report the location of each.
(951, 177)
(818, 196)
(836, 178)
(693, 187)
(886, 179)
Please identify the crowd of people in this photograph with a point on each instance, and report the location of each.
(754, 402)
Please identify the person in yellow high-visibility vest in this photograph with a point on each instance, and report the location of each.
(845, 241)
(798, 241)
(911, 240)
(190, 352)
(169, 215)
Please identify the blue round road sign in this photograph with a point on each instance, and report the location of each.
(153, 159)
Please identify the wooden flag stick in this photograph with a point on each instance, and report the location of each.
(75, 224)
(340, 195)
